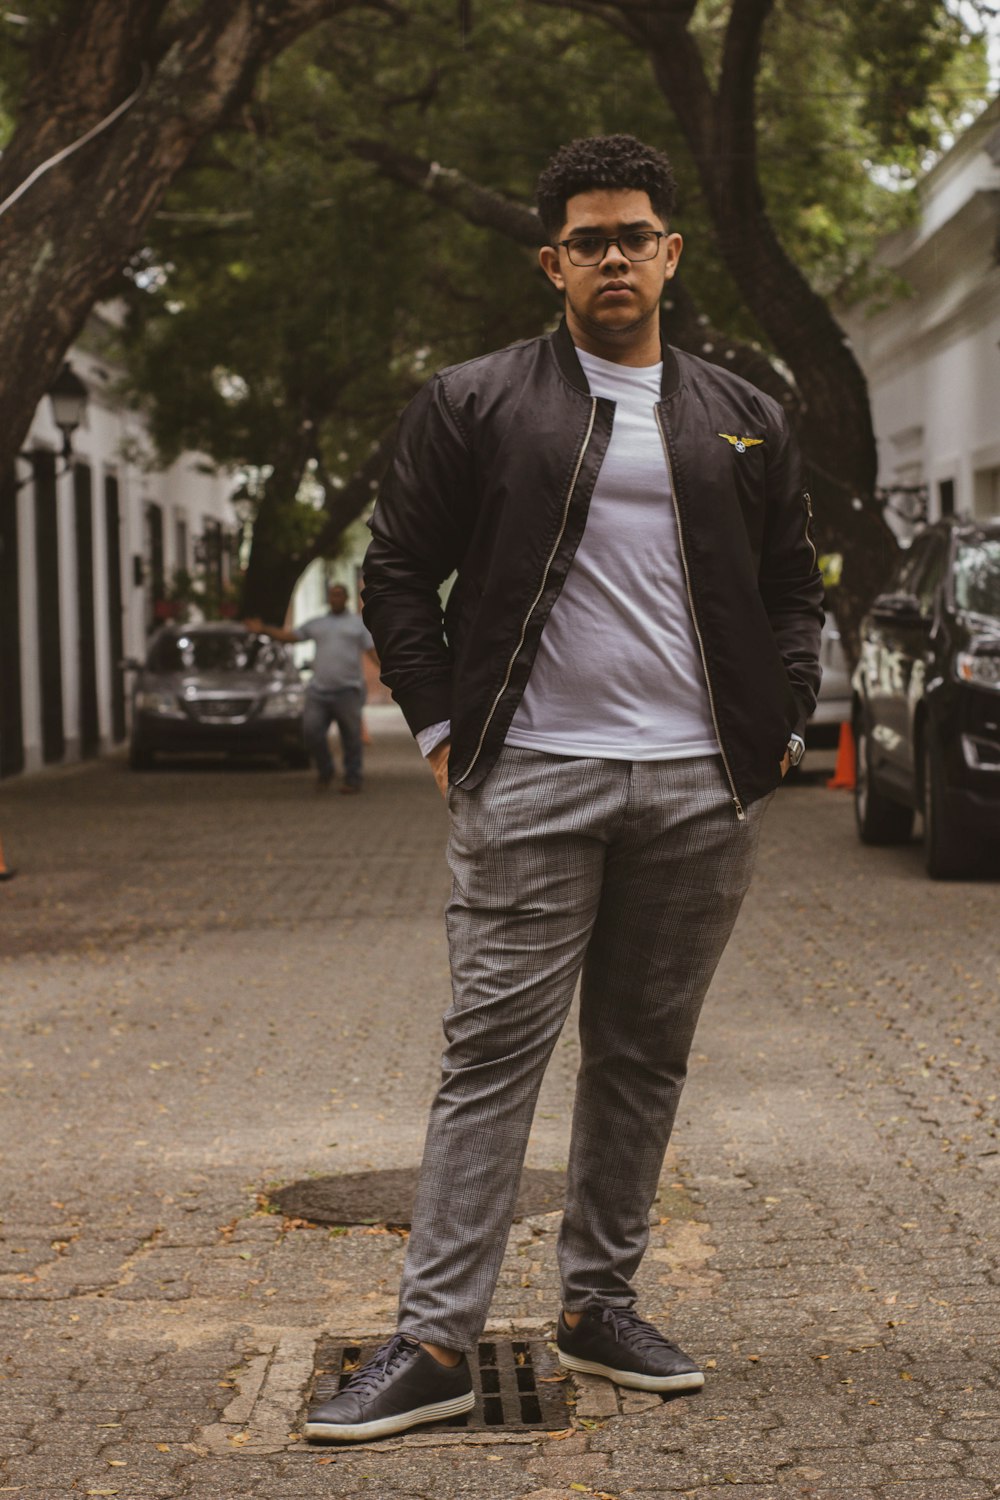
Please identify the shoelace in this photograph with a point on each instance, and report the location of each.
(381, 1364)
(629, 1328)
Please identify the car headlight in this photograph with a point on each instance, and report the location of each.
(283, 705)
(149, 701)
(982, 668)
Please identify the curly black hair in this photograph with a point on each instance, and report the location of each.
(603, 161)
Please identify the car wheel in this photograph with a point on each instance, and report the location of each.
(948, 852)
(879, 820)
(140, 759)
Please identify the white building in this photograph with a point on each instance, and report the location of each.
(932, 355)
(87, 554)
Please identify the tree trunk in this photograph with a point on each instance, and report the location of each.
(834, 416)
(66, 237)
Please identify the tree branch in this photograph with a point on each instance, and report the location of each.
(479, 205)
(689, 328)
(735, 117)
(346, 503)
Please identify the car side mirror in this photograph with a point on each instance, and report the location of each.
(902, 609)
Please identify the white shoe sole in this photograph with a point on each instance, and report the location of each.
(692, 1380)
(359, 1432)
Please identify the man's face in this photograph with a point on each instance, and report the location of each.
(615, 299)
(338, 599)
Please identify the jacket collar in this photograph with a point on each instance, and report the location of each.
(565, 352)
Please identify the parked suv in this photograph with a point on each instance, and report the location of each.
(926, 707)
(215, 687)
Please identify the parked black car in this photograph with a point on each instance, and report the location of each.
(926, 708)
(215, 687)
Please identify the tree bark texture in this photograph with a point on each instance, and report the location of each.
(65, 240)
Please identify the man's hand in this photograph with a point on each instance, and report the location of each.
(786, 761)
(438, 762)
(256, 627)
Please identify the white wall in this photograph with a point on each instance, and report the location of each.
(108, 442)
(932, 357)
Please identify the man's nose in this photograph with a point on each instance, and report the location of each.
(614, 255)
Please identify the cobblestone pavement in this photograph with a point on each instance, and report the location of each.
(215, 980)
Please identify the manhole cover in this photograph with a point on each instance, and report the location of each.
(387, 1197)
(519, 1383)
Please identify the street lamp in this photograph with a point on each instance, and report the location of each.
(68, 398)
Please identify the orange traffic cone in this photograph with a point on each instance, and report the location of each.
(845, 773)
(5, 873)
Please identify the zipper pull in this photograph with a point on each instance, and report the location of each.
(740, 814)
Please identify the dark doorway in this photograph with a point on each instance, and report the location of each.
(49, 621)
(90, 729)
(946, 496)
(154, 554)
(11, 721)
(116, 637)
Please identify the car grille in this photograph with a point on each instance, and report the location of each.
(220, 710)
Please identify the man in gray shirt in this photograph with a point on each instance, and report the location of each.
(336, 693)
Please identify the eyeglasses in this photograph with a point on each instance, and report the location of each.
(590, 249)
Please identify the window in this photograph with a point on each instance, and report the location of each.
(181, 544)
(987, 493)
(946, 496)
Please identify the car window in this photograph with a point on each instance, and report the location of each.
(212, 651)
(977, 576)
(931, 574)
(909, 569)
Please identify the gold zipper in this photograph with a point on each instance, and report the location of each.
(740, 813)
(541, 590)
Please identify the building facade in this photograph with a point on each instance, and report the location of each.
(932, 354)
(90, 547)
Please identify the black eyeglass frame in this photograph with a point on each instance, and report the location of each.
(614, 239)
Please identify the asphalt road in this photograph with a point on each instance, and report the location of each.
(215, 981)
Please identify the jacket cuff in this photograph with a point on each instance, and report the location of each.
(428, 704)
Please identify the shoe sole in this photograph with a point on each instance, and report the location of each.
(691, 1380)
(358, 1432)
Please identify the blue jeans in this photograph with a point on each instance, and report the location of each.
(343, 708)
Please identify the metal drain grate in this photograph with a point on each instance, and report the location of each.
(519, 1383)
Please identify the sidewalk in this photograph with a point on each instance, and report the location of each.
(216, 982)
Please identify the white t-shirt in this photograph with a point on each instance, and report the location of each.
(618, 674)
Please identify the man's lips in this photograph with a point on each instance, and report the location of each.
(615, 288)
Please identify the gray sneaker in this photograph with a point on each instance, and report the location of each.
(616, 1343)
(400, 1387)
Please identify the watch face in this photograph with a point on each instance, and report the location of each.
(796, 750)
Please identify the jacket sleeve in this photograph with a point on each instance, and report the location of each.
(420, 530)
(790, 581)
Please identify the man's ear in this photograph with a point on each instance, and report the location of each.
(674, 245)
(548, 259)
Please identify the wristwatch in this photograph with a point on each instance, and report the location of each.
(796, 748)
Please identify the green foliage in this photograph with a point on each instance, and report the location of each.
(24, 30)
(290, 298)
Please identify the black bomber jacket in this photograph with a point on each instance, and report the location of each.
(494, 465)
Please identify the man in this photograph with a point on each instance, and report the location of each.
(336, 692)
(619, 682)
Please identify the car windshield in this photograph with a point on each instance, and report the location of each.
(215, 651)
(977, 576)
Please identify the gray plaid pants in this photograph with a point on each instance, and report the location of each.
(635, 872)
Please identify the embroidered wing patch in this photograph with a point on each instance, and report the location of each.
(741, 444)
